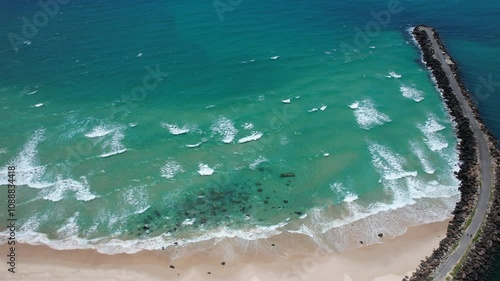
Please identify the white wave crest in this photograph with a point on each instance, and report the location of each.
(99, 131)
(411, 93)
(138, 198)
(434, 140)
(170, 169)
(113, 144)
(255, 163)
(176, 130)
(253, 137)
(58, 191)
(28, 169)
(393, 74)
(225, 127)
(422, 157)
(205, 170)
(367, 115)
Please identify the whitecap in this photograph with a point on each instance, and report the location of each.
(253, 137)
(393, 74)
(367, 115)
(434, 140)
(170, 169)
(57, 192)
(28, 169)
(205, 170)
(419, 152)
(138, 198)
(175, 130)
(286, 101)
(354, 105)
(38, 105)
(248, 126)
(113, 153)
(411, 93)
(323, 108)
(255, 163)
(188, 221)
(350, 197)
(225, 127)
(194, 145)
(70, 228)
(274, 57)
(313, 109)
(99, 131)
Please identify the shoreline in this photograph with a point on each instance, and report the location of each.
(387, 261)
(475, 143)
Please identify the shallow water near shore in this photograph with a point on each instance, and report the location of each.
(196, 154)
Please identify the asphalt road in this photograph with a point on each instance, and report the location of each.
(484, 169)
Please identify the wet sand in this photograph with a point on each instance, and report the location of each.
(387, 261)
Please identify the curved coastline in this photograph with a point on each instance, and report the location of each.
(483, 250)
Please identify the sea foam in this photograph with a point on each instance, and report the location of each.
(434, 140)
(175, 129)
(205, 170)
(170, 169)
(29, 171)
(61, 187)
(367, 115)
(411, 93)
(225, 128)
(253, 137)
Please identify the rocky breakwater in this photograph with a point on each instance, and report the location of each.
(468, 173)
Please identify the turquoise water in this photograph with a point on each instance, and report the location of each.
(133, 125)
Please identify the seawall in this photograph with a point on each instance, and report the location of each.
(469, 173)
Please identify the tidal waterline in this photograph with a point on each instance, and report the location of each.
(201, 155)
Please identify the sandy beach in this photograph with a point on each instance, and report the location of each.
(387, 261)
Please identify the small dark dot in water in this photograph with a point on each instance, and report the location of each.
(258, 184)
(171, 266)
(298, 213)
(157, 213)
(287, 184)
(260, 190)
(274, 191)
(209, 272)
(361, 242)
(273, 245)
(285, 201)
(223, 263)
(176, 243)
(266, 201)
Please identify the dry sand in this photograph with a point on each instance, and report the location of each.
(388, 261)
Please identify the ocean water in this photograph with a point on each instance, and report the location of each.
(136, 124)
